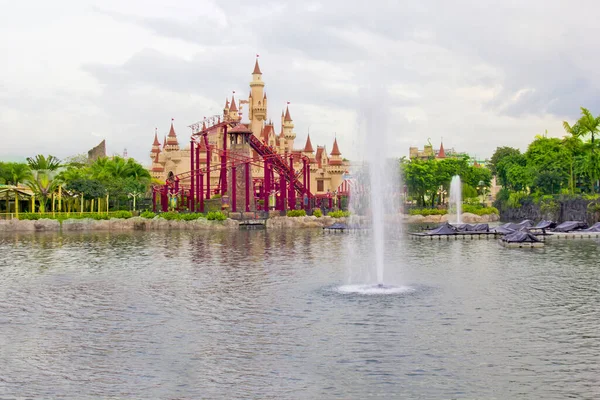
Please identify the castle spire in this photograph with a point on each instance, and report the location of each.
(232, 106)
(308, 146)
(442, 152)
(256, 68)
(226, 104)
(335, 151)
(287, 114)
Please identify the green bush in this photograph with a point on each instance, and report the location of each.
(191, 216)
(170, 216)
(296, 213)
(317, 213)
(216, 216)
(148, 214)
(339, 214)
(479, 210)
(28, 216)
(122, 214)
(427, 211)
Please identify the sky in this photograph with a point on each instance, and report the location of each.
(479, 74)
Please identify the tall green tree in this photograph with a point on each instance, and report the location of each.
(43, 183)
(499, 154)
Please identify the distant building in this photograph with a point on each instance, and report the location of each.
(97, 152)
(326, 169)
(428, 152)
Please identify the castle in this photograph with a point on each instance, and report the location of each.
(326, 170)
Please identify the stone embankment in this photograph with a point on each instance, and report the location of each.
(143, 224)
(131, 224)
(466, 218)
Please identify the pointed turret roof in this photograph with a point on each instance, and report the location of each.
(287, 115)
(308, 146)
(172, 131)
(256, 68)
(226, 104)
(335, 151)
(441, 153)
(265, 96)
(165, 142)
(232, 106)
(156, 142)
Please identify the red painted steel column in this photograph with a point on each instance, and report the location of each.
(224, 163)
(282, 189)
(164, 200)
(153, 200)
(192, 177)
(292, 193)
(199, 193)
(207, 168)
(308, 179)
(247, 187)
(266, 186)
(201, 188)
(233, 189)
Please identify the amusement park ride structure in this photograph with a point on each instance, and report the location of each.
(277, 192)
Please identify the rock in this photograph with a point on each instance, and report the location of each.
(469, 218)
(416, 219)
(77, 224)
(46, 225)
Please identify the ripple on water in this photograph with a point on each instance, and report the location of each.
(372, 290)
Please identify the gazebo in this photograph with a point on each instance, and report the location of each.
(11, 196)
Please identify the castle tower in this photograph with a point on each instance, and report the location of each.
(257, 101)
(155, 146)
(157, 169)
(172, 143)
(288, 130)
(335, 167)
(233, 110)
(442, 152)
(308, 149)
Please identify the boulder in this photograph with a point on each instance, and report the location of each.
(46, 225)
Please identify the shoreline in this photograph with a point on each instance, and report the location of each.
(157, 223)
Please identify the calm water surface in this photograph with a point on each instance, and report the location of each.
(185, 315)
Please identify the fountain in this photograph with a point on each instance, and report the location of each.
(374, 200)
(455, 205)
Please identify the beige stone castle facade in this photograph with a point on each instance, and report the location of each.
(326, 169)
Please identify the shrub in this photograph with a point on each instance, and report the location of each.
(427, 211)
(296, 213)
(317, 213)
(339, 214)
(29, 216)
(191, 216)
(170, 216)
(478, 210)
(148, 214)
(122, 214)
(216, 216)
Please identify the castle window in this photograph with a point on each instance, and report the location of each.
(320, 185)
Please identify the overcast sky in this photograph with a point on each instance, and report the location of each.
(480, 74)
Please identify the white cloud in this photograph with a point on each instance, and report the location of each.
(480, 75)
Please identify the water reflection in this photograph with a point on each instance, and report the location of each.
(256, 314)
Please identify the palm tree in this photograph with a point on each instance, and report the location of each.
(572, 143)
(590, 125)
(40, 162)
(43, 170)
(18, 173)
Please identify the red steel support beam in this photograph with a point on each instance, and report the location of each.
(224, 163)
(192, 177)
(233, 191)
(200, 186)
(247, 187)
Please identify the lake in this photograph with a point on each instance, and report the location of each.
(259, 314)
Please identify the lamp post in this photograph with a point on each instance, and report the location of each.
(134, 195)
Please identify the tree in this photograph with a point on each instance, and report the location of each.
(551, 161)
(43, 182)
(13, 173)
(499, 154)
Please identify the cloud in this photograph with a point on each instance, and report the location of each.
(478, 74)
